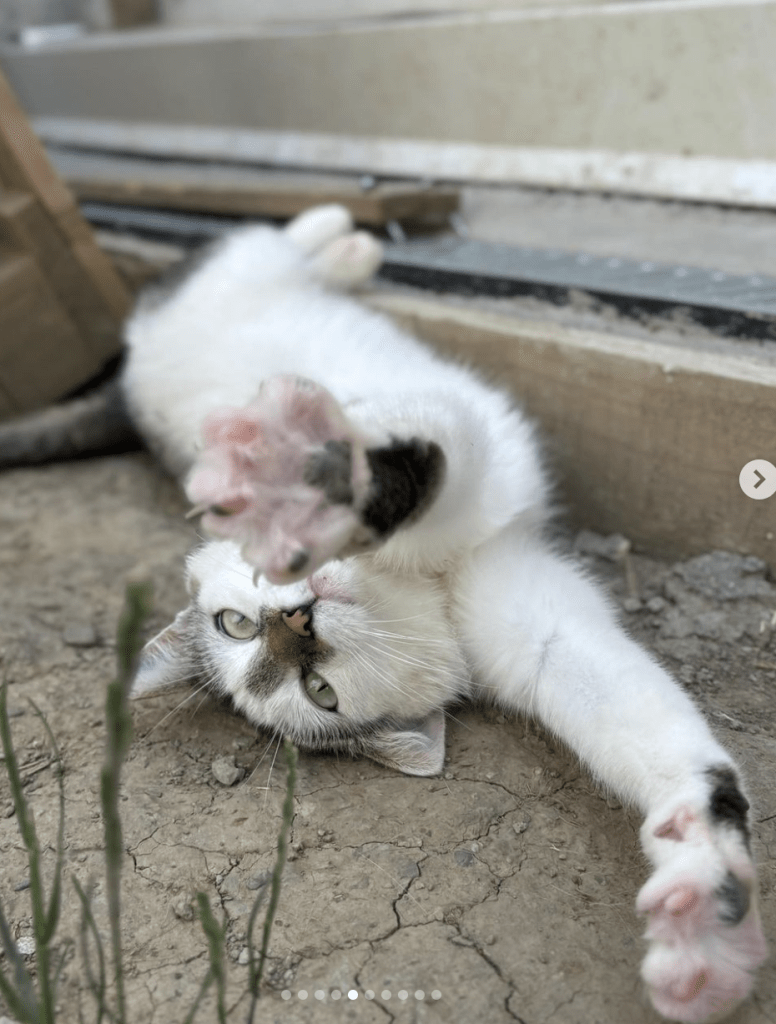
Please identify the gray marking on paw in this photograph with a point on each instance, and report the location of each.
(331, 469)
(298, 560)
(735, 897)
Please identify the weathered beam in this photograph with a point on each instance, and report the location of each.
(24, 167)
(648, 439)
(42, 355)
(243, 191)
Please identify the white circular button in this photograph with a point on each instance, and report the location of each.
(758, 479)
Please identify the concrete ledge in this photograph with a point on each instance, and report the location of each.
(678, 77)
(647, 439)
(735, 182)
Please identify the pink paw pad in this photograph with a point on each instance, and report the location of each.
(702, 921)
(283, 477)
(349, 260)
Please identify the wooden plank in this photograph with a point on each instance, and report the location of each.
(648, 439)
(42, 355)
(25, 225)
(25, 167)
(245, 191)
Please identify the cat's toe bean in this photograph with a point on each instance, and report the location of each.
(315, 228)
(349, 260)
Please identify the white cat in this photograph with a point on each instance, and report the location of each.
(380, 513)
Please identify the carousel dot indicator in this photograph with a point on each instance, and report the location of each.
(420, 994)
(336, 994)
(302, 994)
(436, 994)
(385, 994)
(285, 994)
(320, 994)
(369, 994)
(352, 994)
(403, 993)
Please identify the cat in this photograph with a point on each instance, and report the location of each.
(377, 551)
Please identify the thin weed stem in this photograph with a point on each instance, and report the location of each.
(256, 968)
(118, 723)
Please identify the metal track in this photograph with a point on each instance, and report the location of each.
(730, 304)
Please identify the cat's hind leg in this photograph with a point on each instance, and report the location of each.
(340, 257)
(539, 633)
(317, 227)
(349, 261)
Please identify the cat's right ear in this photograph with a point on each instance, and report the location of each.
(166, 660)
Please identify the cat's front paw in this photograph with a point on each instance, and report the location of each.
(287, 477)
(703, 924)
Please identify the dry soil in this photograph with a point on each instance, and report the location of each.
(502, 891)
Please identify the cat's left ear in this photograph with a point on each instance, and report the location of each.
(167, 659)
(419, 751)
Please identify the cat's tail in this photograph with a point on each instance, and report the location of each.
(97, 423)
(341, 257)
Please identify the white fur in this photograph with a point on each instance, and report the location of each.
(467, 599)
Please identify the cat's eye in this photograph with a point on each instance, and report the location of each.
(320, 692)
(236, 625)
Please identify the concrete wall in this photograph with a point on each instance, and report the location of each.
(683, 77)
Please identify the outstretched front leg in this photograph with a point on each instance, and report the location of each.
(298, 482)
(541, 635)
(298, 479)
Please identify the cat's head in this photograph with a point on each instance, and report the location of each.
(355, 658)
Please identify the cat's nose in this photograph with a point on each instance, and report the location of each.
(300, 619)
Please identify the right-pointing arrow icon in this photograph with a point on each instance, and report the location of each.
(758, 479)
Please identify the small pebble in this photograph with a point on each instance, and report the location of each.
(656, 604)
(226, 771)
(183, 910)
(632, 604)
(244, 957)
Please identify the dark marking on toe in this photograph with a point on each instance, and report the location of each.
(735, 898)
(298, 560)
(406, 477)
(727, 804)
(331, 469)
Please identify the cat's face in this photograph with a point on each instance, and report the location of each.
(354, 658)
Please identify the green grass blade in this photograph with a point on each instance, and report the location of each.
(207, 981)
(20, 995)
(256, 969)
(137, 606)
(26, 826)
(51, 916)
(97, 985)
(215, 933)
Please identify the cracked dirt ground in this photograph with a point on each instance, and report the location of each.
(505, 887)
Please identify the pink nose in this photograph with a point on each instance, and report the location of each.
(299, 620)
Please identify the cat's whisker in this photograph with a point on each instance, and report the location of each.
(259, 762)
(177, 707)
(402, 657)
(279, 739)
